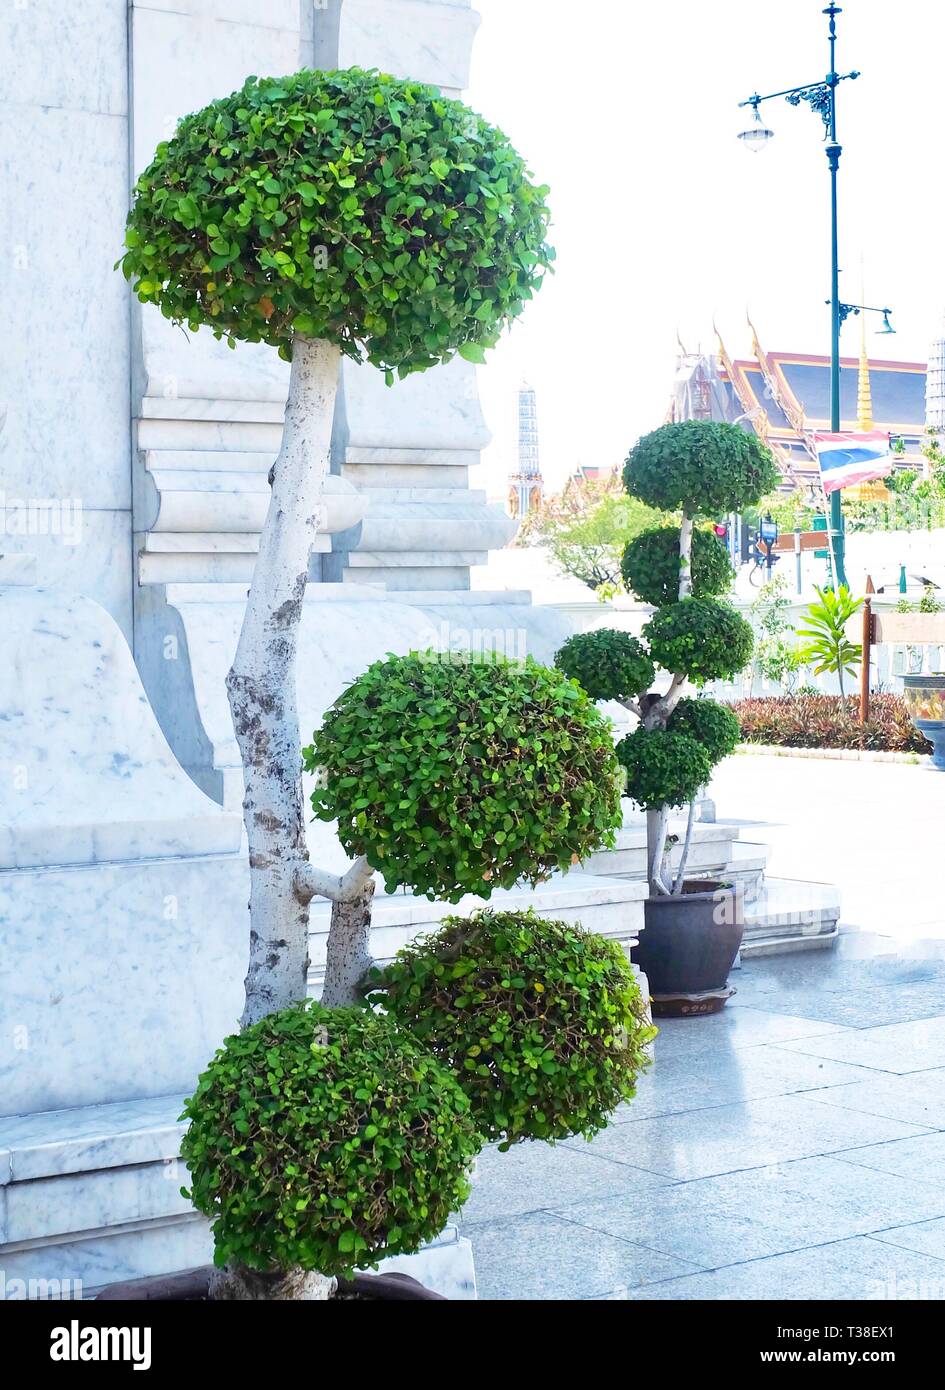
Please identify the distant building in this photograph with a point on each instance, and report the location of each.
(526, 487)
(785, 396)
(935, 384)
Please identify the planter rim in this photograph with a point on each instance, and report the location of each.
(714, 888)
(934, 681)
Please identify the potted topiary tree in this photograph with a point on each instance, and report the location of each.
(697, 469)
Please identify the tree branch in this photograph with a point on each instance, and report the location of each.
(661, 709)
(312, 882)
(687, 845)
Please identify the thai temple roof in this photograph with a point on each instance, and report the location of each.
(784, 396)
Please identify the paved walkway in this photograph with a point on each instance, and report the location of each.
(792, 1147)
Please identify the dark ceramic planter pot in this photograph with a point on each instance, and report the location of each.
(192, 1286)
(925, 700)
(689, 946)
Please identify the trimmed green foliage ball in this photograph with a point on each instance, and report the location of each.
(709, 723)
(610, 665)
(650, 565)
(324, 1139)
(701, 467)
(349, 206)
(456, 773)
(700, 638)
(663, 768)
(541, 1022)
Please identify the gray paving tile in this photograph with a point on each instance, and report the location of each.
(752, 1134)
(927, 1237)
(853, 993)
(895, 1047)
(918, 1098)
(534, 1176)
(697, 1082)
(735, 1027)
(919, 1157)
(761, 1212)
(862, 1268)
(536, 1257)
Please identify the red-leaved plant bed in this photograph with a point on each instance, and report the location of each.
(830, 721)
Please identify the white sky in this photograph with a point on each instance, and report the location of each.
(662, 219)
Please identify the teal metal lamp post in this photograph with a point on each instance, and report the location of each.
(822, 97)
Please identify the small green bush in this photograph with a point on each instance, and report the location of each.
(542, 1022)
(651, 565)
(324, 1139)
(455, 774)
(350, 206)
(701, 639)
(701, 467)
(709, 723)
(608, 664)
(663, 768)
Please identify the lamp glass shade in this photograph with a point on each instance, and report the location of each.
(757, 135)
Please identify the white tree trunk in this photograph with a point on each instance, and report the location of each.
(656, 825)
(685, 557)
(657, 716)
(261, 688)
(236, 1284)
(687, 846)
(349, 948)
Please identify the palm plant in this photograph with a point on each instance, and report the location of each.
(828, 648)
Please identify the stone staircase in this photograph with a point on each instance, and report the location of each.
(781, 915)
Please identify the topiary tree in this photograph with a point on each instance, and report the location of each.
(542, 1023)
(327, 214)
(700, 469)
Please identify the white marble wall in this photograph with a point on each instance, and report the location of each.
(123, 923)
(64, 354)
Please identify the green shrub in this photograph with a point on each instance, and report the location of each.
(700, 638)
(349, 206)
(701, 467)
(663, 768)
(651, 565)
(610, 665)
(709, 723)
(325, 1139)
(810, 719)
(454, 774)
(542, 1022)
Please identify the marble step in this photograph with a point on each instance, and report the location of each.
(747, 867)
(711, 850)
(611, 906)
(196, 460)
(791, 915)
(216, 500)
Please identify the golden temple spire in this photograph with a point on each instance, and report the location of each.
(864, 396)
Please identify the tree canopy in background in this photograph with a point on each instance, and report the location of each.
(586, 530)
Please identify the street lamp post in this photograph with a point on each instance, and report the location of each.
(822, 97)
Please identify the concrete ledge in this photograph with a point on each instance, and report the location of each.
(855, 755)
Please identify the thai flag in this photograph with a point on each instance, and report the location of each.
(850, 458)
